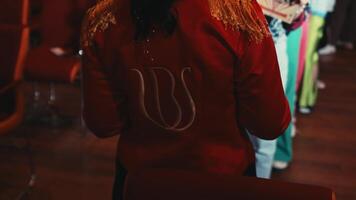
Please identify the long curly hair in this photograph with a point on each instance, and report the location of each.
(240, 15)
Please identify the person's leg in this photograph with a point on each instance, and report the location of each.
(284, 142)
(350, 30)
(308, 92)
(353, 21)
(328, 48)
(337, 26)
(282, 56)
(302, 54)
(315, 78)
(264, 151)
(337, 21)
(293, 51)
(119, 182)
(251, 171)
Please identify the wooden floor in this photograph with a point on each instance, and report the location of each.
(72, 164)
(325, 145)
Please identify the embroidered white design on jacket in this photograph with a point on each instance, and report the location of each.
(177, 126)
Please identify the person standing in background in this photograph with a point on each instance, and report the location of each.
(283, 153)
(302, 52)
(342, 30)
(309, 90)
(265, 149)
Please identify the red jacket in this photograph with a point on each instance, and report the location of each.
(187, 102)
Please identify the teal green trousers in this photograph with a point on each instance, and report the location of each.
(284, 142)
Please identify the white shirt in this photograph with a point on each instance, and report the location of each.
(322, 6)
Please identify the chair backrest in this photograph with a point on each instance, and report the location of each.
(14, 40)
(14, 36)
(13, 51)
(14, 12)
(59, 21)
(177, 185)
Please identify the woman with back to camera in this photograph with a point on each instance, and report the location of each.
(181, 81)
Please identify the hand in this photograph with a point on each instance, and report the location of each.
(303, 2)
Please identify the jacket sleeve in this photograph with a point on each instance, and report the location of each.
(261, 104)
(103, 105)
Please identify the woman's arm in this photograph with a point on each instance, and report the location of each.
(261, 104)
(102, 104)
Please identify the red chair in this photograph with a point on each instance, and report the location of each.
(178, 185)
(54, 25)
(14, 39)
(10, 14)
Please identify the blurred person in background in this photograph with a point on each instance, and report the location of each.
(309, 89)
(342, 27)
(283, 155)
(181, 86)
(302, 52)
(266, 149)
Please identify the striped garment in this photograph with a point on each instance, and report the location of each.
(276, 28)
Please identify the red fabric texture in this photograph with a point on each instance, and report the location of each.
(7, 104)
(10, 44)
(55, 22)
(14, 43)
(9, 12)
(59, 21)
(177, 185)
(43, 65)
(234, 84)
